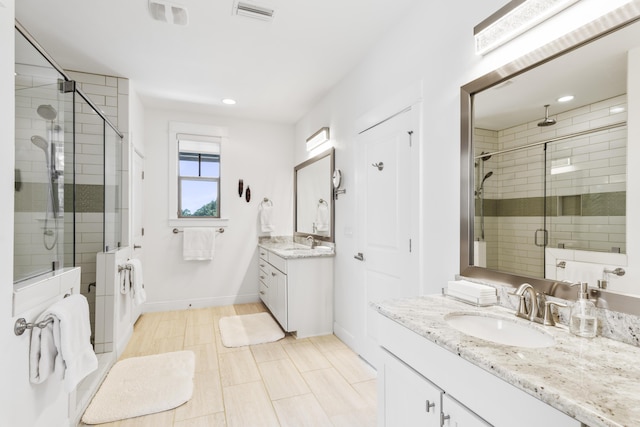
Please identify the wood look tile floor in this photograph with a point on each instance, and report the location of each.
(314, 381)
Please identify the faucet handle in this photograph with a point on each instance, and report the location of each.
(548, 314)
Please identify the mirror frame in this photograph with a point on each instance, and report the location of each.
(331, 153)
(607, 24)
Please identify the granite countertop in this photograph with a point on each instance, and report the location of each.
(596, 381)
(293, 250)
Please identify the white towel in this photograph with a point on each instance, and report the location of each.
(266, 217)
(198, 244)
(322, 217)
(137, 281)
(63, 346)
(125, 281)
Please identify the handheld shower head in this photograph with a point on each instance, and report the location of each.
(47, 112)
(487, 176)
(40, 142)
(546, 121)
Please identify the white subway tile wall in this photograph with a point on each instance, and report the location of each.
(591, 164)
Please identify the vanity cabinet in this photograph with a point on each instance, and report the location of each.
(298, 292)
(470, 396)
(412, 400)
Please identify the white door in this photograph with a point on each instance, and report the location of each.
(388, 159)
(137, 196)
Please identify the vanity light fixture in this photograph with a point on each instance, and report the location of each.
(513, 19)
(320, 137)
(566, 98)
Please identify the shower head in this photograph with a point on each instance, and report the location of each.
(40, 142)
(546, 121)
(47, 112)
(487, 176)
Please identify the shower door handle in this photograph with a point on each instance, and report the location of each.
(545, 238)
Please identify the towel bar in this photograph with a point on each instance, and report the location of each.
(219, 230)
(22, 325)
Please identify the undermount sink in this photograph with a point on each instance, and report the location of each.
(500, 330)
(308, 248)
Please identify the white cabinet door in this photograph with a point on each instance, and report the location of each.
(457, 415)
(408, 398)
(278, 297)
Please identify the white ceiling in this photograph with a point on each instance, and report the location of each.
(275, 70)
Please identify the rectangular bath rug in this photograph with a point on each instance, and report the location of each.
(143, 385)
(249, 329)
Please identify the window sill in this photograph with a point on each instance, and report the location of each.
(198, 222)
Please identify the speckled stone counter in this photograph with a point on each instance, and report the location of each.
(596, 381)
(289, 249)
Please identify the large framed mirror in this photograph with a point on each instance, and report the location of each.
(544, 183)
(313, 194)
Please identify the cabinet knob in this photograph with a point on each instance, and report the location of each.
(273, 274)
(359, 256)
(430, 405)
(262, 277)
(261, 265)
(261, 292)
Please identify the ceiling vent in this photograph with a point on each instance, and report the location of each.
(253, 11)
(167, 12)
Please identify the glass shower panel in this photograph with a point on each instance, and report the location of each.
(41, 128)
(587, 192)
(112, 189)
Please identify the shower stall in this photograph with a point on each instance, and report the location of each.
(68, 173)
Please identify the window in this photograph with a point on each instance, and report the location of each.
(195, 173)
(198, 179)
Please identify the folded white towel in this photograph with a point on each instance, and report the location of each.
(198, 244)
(137, 281)
(470, 288)
(481, 300)
(322, 217)
(63, 346)
(266, 217)
(125, 281)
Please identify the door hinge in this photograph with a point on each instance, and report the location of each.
(66, 86)
(143, 231)
(410, 132)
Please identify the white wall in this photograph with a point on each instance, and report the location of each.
(259, 153)
(432, 45)
(11, 354)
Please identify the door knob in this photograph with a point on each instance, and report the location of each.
(359, 256)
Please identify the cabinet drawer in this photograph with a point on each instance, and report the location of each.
(278, 262)
(264, 293)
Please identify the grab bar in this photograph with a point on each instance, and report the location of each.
(176, 231)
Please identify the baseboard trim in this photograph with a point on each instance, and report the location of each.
(152, 307)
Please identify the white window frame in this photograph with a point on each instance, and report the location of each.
(178, 130)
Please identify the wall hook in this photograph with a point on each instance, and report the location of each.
(378, 165)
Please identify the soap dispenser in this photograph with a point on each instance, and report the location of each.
(583, 320)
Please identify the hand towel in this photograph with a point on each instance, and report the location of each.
(125, 281)
(72, 353)
(137, 281)
(266, 217)
(198, 244)
(322, 217)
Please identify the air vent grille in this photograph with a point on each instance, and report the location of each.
(253, 11)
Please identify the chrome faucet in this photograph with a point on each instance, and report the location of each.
(539, 309)
(312, 241)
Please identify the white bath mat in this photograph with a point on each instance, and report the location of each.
(143, 385)
(249, 329)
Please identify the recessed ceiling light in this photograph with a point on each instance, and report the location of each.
(229, 101)
(617, 109)
(566, 98)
